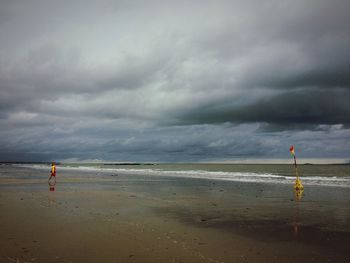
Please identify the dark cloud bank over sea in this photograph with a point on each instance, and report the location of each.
(164, 81)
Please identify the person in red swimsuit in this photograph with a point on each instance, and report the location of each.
(53, 172)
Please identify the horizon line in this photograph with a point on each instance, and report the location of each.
(301, 161)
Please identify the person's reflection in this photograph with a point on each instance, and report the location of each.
(296, 224)
(52, 185)
(51, 196)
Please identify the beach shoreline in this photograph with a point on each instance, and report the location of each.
(123, 218)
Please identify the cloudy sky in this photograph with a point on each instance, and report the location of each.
(174, 81)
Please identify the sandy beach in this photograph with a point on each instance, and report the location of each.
(91, 217)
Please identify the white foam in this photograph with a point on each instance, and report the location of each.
(248, 177)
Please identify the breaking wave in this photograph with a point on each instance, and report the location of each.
(248, 177)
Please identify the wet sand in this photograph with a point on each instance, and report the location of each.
(114, 218)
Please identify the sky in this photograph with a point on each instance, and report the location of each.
(174, 81)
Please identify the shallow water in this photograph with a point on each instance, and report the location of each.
(316, 175)
(325, 201)
(267, 216)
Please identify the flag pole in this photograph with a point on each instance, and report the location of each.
(298, 184)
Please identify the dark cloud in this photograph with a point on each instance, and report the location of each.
(307, 107)
(165, 80)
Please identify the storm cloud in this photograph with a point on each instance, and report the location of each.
(173, 80)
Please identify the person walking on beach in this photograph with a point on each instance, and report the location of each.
(53, 172)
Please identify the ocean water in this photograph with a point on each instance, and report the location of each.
(316, 175)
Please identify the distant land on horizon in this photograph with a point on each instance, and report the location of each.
(179, 163)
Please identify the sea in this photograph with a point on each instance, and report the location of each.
(337, 175)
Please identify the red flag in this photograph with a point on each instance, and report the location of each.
(291, 149)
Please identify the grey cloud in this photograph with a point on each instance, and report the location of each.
(307, 107)
(113, 79)
(195, 143)
(160, 144)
